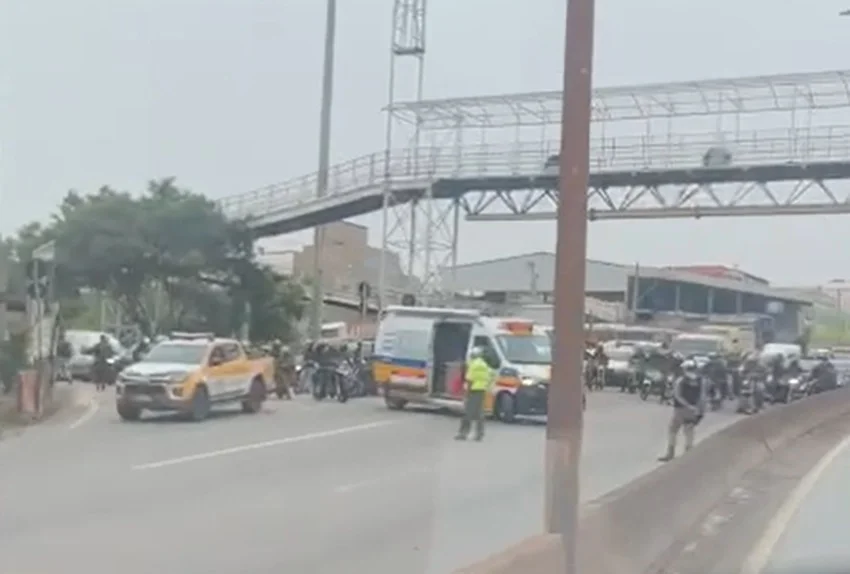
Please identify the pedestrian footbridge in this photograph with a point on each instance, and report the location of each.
(500, 173)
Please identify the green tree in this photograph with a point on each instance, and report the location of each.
(168, 257)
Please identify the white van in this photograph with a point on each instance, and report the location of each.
(420, 352)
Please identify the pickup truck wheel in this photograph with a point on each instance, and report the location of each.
(256, 397)
(129, 413)
(393, 403)
(200, 407)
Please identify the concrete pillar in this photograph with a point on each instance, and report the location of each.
(710, 302)
(677, 297)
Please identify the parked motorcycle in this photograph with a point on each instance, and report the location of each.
(750, 396)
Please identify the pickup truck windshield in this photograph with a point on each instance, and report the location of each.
(181, 353)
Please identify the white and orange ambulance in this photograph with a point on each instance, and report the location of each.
(419, 355)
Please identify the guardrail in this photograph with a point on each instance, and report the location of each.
(618, 154)
(630, 529)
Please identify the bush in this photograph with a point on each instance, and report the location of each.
(13, 358)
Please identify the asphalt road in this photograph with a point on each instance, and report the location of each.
(815, 539)
(302, 487)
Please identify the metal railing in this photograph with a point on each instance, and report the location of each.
(417, 166)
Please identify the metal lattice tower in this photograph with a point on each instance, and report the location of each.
(401, 226)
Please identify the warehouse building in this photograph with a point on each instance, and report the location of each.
(645, 292)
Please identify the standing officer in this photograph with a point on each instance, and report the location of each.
(479, 378)
(688, 407)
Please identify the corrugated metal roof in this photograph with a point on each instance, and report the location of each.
(522, 273)
(721, 283)
(718, 271)
(525, 273)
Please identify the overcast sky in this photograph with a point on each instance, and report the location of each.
(224, 94)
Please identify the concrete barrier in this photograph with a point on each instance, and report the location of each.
(631, 530)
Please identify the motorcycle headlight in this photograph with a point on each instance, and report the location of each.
(528, 381)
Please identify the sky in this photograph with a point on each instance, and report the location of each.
(224, 95)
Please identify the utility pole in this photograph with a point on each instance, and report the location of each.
(324, 166)
(566, 393)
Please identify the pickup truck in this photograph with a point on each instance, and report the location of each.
(192, 375)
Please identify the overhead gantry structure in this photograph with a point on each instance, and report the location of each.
(491, 158)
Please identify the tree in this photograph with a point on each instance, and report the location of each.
(167, 248)
(275, 306)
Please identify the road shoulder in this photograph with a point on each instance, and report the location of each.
(71, 403)
(722, 540)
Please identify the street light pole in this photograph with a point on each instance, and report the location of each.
(324, 165)
(564, 426)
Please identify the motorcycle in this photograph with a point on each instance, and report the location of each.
(782, 389)
(652, 381)
(594, 376)
(350, 377)
(303, 378)
(750, 399)
(801, 387)
(656, 382)
(715, 394)
(329, 382)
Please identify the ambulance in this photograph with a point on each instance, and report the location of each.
(420, 352)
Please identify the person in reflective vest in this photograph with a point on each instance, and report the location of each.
(479, 378)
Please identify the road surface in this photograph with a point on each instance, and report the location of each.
(815, 540)
(302, 487)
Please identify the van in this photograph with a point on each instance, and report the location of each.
(420, 355)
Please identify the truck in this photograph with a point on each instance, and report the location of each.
(191, 373)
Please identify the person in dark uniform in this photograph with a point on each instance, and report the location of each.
(284, 370)
(101, 369)
(688, 408)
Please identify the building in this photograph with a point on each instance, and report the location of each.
(348, 259)
(647, 292)
(720, 272)
(280, 261)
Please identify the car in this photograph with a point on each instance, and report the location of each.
(79, 365)
(717, 156)
(190, 374)
(552, 165)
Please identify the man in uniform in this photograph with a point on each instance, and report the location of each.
(479, 378)
(688, 408)
(284, 370)
(101, 369)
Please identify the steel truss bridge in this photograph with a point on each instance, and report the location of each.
(785, 135)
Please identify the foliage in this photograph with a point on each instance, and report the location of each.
(167, 257)
(13, 358)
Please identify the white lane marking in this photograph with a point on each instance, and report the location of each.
(261, 445)
(346, 488)
(762, 552)
(90, 411)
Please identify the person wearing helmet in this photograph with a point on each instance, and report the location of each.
(284, 369)
(688, 408)
(823, 373)
(717, 374)
(478, 379)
